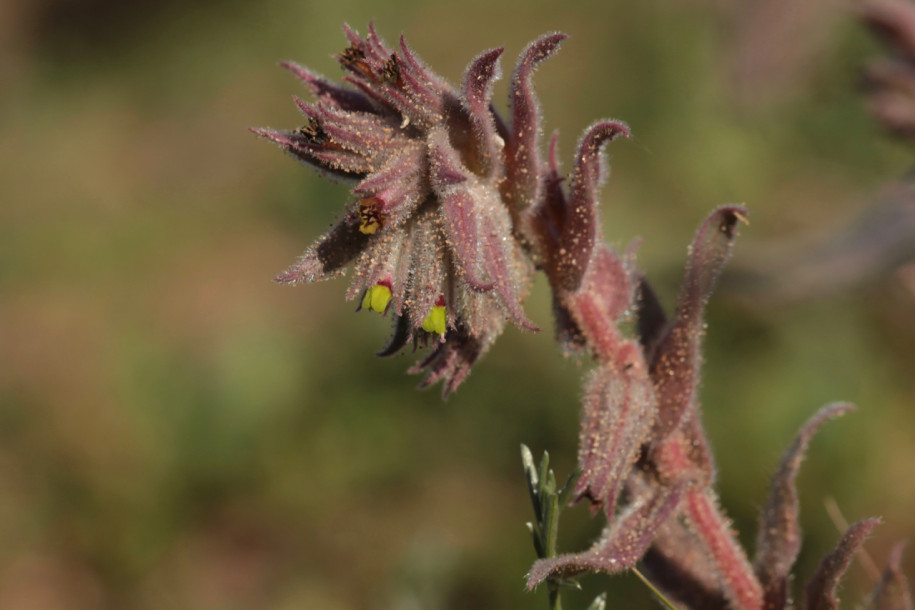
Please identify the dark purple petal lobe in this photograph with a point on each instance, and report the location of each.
(892, 592)
(576, 242)
(329, 255)
(621, 545)
(522, 149)
(821, 590)
(778, 540)
(400, 335)
(451, 361)
(650, 316)
(675, 367)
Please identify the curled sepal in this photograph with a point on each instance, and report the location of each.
(522, 149)
(675, 366)
(478, 82)
(580, 231)
(622, 544)
(892, 592)
(616, 416)
(821, 590)
(778, 539)
(329, 255)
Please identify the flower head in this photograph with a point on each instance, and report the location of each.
(440, 189)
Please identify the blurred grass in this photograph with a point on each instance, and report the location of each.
(178, 432)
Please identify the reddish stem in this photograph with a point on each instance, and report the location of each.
(733, 566)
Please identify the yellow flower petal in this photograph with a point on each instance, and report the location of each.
(436, 320)
(377, 298)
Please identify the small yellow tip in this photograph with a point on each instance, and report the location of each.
(368, 228)
(436, 320)
(377, 298)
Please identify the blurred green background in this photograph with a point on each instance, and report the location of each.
(178, 432)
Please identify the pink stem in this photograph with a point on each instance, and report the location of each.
(715, 533)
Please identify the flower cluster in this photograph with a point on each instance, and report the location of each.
(453, 209)
(441, 185)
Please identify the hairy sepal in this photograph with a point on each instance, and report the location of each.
(621, 546)
(778, 539)
(522, 149)
(676, 361)
(616, 416)
(821, 589)
(581, 228)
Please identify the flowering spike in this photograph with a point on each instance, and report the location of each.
(428, 216)
(617, 413)
(675, 364)
(892, 592)
(622, 544)
(778, 538)
(821, 589)
(522, 149)
(580, 230)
